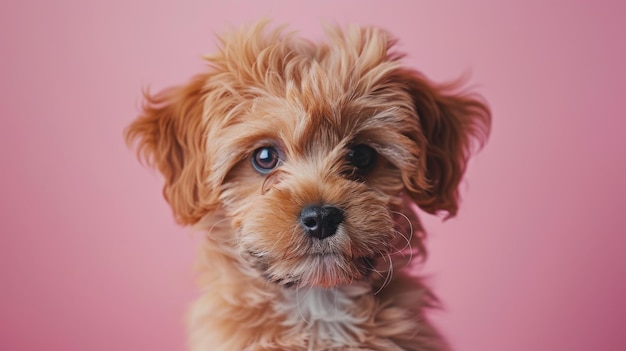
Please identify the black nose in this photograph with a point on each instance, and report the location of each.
(321, 221)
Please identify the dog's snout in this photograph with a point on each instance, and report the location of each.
(321, 221)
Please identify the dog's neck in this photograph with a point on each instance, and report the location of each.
(328, 313)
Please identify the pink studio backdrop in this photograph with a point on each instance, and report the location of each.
(90, 258)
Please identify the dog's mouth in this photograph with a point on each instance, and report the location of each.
(321, 270)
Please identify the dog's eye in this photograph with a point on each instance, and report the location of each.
(362, 157)
(265, 159)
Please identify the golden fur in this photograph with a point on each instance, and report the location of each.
(268, 285)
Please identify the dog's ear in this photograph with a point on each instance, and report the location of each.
(171, 135)
(452, 124)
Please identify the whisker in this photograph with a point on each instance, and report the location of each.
(374, 270)
(408, 239)
(387, 278)
(210, 231)
(298, 300)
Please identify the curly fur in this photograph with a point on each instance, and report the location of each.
(269, 286)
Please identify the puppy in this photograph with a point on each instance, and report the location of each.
(302, 163)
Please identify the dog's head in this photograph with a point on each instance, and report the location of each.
(312, 150)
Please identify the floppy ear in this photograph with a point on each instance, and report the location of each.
(452, 124)
(171, 135)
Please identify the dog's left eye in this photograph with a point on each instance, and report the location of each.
(362, 157)
(265, 159)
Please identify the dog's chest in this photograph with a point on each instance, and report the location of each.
(329, 317)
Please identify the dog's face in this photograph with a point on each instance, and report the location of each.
(311, 150)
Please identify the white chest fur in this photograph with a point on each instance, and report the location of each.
(330, 316)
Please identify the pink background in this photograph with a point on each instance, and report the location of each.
(90, 258)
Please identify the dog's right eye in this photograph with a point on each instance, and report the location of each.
(265, 159)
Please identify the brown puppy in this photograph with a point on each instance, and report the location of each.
(301, 161)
